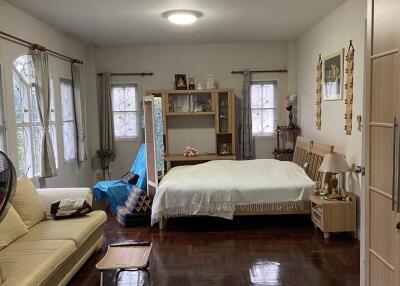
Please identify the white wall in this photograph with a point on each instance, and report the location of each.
(22, 25)
(332, 34)
(195, 61)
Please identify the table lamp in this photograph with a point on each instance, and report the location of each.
(334, 163)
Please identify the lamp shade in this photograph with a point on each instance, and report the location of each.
(334, 163)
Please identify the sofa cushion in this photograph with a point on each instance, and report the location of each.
(74, 229)
(27, 203)
(30, 262)
(11, 228)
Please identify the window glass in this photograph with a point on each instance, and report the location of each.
(125, 111)
(263, 108)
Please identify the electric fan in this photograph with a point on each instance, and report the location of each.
(8, 182)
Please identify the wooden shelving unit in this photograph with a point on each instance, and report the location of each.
(285, 143)
(218, 104)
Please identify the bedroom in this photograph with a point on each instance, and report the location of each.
(146, 55)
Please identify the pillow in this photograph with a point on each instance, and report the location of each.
(11, 228)
(27, 203)
(138, 201)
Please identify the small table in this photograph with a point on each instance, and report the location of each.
(333, 216)
(124, 257)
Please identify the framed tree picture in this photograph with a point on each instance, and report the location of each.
(333, 76)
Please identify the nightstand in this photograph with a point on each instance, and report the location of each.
(333, 216)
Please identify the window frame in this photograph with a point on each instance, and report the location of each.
(138, 111)
(73, 161)
(275, 109)
(30, 125)
(33, 124)
(54, 123)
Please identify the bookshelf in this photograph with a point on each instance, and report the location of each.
(191, 108)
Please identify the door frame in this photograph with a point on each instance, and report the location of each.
(365, 261)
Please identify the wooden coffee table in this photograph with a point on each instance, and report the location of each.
(125, 257)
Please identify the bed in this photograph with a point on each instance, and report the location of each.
(231, 188)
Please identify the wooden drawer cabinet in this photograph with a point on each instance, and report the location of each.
(333, 216)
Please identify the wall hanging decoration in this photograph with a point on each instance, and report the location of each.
(332, 76)
(349, 89)
(318, 92)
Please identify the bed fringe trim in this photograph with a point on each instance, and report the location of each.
(229, 207)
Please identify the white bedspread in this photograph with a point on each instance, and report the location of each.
(216, 188)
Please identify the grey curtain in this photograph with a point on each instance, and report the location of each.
(40, 62)
(106, 124)
(76, 71)
(246, 142)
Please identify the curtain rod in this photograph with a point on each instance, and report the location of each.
(25, 43)
(130, 74)
(261, 71)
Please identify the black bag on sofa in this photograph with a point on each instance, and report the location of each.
(58, 212)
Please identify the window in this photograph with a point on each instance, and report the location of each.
(3, 141)
(52, 122)
(263, 107)
(125, 111)
(68, 120)
(29, 129)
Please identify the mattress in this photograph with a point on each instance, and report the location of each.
(218, 188)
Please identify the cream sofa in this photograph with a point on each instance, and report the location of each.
(51, 252)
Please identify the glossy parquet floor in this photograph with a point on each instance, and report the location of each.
(269, 250)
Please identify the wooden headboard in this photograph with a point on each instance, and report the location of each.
(318, 151)
(309, 154)
(302, 151)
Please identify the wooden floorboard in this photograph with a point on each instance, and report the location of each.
(269, 250)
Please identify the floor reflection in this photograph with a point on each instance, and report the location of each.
(265, 273)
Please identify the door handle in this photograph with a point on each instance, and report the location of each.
(360, 170)
(394, 162)
(398, 226)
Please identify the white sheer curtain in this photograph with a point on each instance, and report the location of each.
(76, 71)
(40, 62)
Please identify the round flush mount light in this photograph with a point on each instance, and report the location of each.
(182, 17)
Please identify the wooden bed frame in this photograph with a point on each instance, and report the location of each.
(307, 154)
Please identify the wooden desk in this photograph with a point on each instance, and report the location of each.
(124, 258)
(333, 216)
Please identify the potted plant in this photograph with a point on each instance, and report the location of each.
(105, 157)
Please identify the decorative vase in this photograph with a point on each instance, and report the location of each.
(191, 83)
(211, 82)
(290, 124)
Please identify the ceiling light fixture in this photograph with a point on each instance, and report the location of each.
(182, 17)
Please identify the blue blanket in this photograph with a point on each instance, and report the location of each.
(116, 192)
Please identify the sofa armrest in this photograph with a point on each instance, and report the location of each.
(2, 279)
(51, 195)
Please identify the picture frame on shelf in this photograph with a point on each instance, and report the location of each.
(332, 75)
(180, 82)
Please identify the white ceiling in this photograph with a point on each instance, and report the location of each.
(138, 22)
